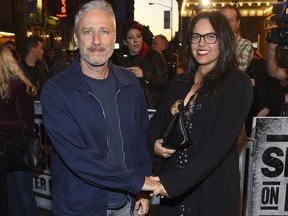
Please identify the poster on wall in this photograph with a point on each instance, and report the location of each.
(269, 174)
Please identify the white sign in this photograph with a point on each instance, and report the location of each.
(269, 177)
(42, 177)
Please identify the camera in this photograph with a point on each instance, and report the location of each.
(279, 35)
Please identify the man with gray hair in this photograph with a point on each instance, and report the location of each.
(96, 117)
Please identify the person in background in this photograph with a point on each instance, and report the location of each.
(17, 55)
(50, 57)
(10, 44)
(244, 47)
(214, 96)
(278, 69)
(96, 117)
(273, 68)
(244, 54)
(33, 53)
(160, 43)
(147, 64)
(268, 96)
(60, 63)
(16, 114)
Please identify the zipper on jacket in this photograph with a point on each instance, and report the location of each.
(124, 156)
(103, 112)
(104, 118)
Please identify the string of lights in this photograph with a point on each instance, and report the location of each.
(247, 8)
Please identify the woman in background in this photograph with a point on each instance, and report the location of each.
(16, 114)
(147, 64)
(202, 179)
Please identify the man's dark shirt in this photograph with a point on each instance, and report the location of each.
(34, 74)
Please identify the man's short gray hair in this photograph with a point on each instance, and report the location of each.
(100, 4)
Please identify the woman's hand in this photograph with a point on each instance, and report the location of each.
(159, 191)
(136, 70)
(161, 151)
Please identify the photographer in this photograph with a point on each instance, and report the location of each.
(273, 69)
(268, 95)
(277, 64)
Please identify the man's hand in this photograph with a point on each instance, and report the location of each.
(161, 151)
(142, 203)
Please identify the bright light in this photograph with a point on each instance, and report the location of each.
(205, 2)
(6, 33)
(117, 46)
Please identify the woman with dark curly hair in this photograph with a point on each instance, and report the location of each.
(214, 96)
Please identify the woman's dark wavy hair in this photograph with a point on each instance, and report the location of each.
(212, 82)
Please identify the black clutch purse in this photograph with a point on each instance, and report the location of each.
(176, 135)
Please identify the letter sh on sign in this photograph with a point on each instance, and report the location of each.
(268, 178)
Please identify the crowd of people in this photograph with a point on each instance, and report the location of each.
(108, 157)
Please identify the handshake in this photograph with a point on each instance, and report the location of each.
(154, 185)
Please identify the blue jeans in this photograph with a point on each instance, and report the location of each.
(21, 200)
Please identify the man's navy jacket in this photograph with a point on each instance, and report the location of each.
(75, 122)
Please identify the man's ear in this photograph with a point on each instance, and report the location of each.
(125, 43)
(76, 39)
(238, 25)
